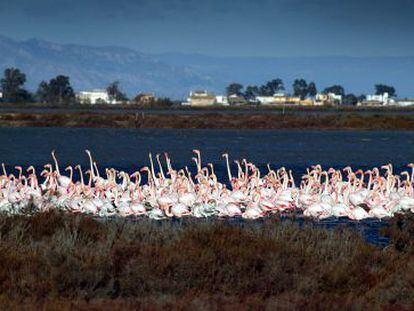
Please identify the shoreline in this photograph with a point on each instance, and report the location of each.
(212, 120)
(212, 108)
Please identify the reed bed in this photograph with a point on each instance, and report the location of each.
(60, 261)
(248, 120)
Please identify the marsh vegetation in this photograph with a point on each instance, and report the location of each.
(56, 260)
(217, 120)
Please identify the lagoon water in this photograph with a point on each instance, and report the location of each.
(128, 148)
(295, 149)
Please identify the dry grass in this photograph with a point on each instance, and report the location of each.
(56, 261)
(211, 120)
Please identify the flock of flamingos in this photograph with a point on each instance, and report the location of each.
(170, 192)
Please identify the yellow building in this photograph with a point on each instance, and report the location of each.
(293, 100)
(145, 98)
(201, 99)
(306, 102)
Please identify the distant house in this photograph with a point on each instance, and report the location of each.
(378, 100)
(321, 99)
(291, 100)
(307, 102)
(237, 100)
(1, 96)
(371, 103)
(265, 100)
(222, 100)
(145, 98)
(200, 99)
(95, 97)
(278, 99)
(327, 99)
(405, 102)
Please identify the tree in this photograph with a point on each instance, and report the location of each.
(312, 90)
(275, 86)
(381, 89)
(335, 89)
(234, 89)
(271, 87)
(264, 90)
(115, 92)
(350, 100)
(57, 91)
(60, 90)
(12, 86)
(251, 92)
(300, 88)
(362, 97)
(164, 102)
(42, 93)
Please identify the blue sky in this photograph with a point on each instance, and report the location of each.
(220, 27)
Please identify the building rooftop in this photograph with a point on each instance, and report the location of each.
(94, 91)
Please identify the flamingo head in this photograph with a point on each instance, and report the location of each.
(331, 171)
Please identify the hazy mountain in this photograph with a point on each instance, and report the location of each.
(175, 74)
(94, 67)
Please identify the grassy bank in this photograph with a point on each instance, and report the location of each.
(59, 261)
(248, 120)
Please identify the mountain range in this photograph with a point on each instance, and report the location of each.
(175, 74)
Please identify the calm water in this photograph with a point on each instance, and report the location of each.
(128, 148)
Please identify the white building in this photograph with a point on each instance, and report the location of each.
(406, 102)
(280, 99)
(95, 97)
(222, 100)
(265, 100)
(275, 99)
(336, 98)
(1, 95)
(382, 99)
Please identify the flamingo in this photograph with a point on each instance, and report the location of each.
(377, 193)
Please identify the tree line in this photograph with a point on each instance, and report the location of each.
(57, 90)
(301, 88)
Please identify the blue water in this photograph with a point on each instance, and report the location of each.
(295, 149)
(130, 147)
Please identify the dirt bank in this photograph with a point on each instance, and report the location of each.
(248, 120)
